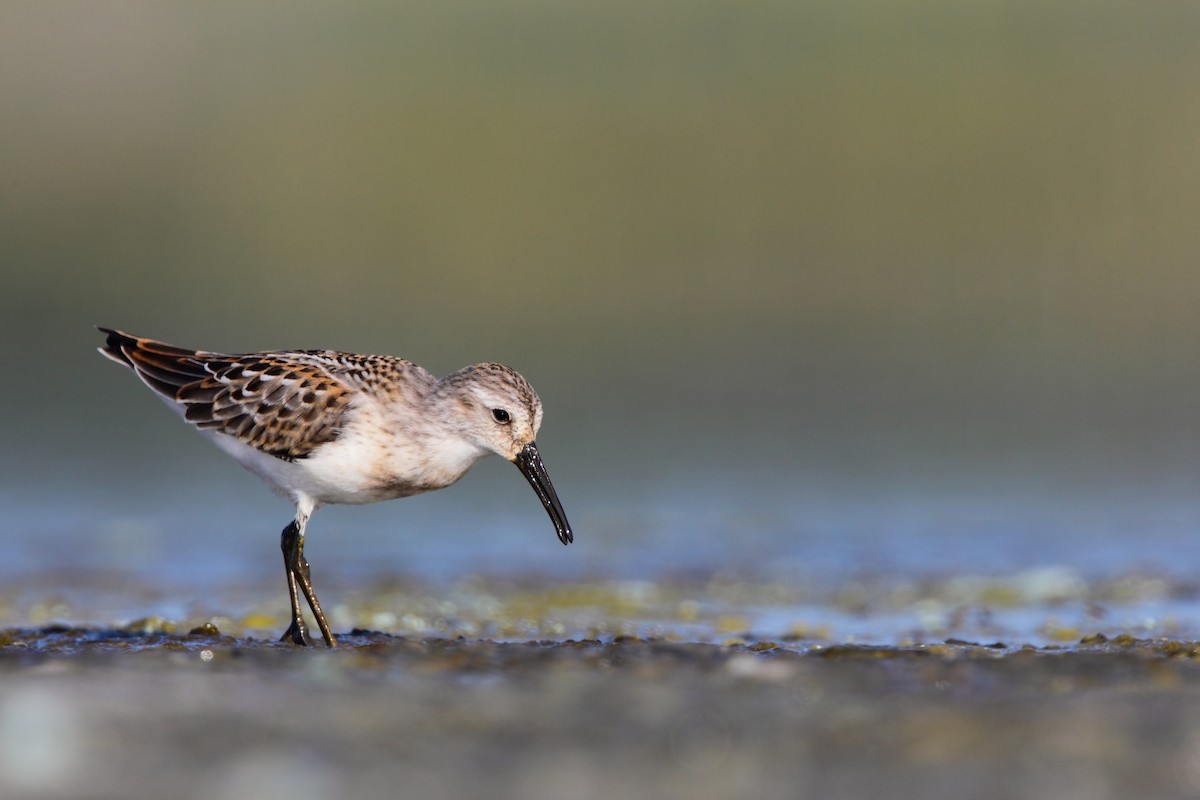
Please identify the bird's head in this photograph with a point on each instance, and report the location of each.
(498, 411)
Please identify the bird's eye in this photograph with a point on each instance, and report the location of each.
(501, 416)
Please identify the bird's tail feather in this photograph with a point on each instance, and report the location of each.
(163, 367)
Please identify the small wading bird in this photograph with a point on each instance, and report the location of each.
(326, 427)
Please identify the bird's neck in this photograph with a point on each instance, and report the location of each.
(432, 445)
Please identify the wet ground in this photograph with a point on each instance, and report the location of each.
(1035, 684)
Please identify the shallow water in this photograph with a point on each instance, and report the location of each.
(887, 571)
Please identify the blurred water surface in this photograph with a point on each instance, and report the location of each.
(808, 289)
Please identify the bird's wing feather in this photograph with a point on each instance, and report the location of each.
(283, 404)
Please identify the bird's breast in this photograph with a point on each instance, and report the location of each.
(365, 467)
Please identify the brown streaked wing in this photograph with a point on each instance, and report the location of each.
(276, 404)
(285, 404)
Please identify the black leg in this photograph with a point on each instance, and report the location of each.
(300, 582)
(297, 632)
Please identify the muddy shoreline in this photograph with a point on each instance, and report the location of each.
(96, 712)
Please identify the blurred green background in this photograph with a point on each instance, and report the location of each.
(750, 254)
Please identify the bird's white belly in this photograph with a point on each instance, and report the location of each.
(333, 474)
(354, 469)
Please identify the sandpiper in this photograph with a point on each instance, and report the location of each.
(322, 427)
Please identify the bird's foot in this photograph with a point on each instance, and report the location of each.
(297, 634)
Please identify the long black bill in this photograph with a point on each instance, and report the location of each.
(529, 461)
